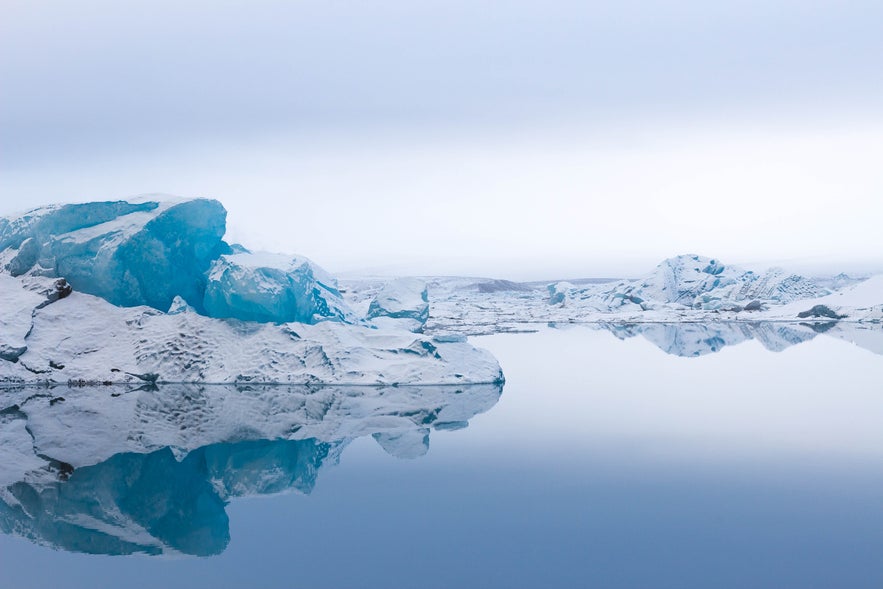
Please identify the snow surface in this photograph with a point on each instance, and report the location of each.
(85, 338)
(857, 302)
(16, 316)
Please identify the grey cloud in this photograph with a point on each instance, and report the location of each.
(103, 77)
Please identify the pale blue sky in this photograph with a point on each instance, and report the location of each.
(522, 138)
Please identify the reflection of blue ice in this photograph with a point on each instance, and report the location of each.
(698, 339)
(153, 503)
(221, 443)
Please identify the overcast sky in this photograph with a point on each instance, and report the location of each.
(520, 139)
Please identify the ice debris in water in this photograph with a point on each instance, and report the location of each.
(150, 252)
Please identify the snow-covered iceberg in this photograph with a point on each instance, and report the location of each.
(694, 282)
(403, 298)
(122, 291)
(861, 301)
(403, 302)
(682, 289)
(148, 252)
(272, 288)
(129, 254)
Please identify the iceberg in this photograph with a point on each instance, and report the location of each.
(149, 291)
(126, 253)
(403, 299)
(152, 251)
(85, 339)
(698, 282)
(682, 289)
(689, 283)
(857, 301)
(275, 288)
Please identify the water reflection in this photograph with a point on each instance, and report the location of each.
(698, 339)
(93, 470)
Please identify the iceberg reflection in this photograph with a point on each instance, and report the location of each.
(699, 339)
(151, 471)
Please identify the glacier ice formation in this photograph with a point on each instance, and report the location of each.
(682, 289)
(149, 252)
(701, 283)
(156, 291)
(268, 287)
(402, 302)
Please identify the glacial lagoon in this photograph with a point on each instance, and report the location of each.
(618, 456)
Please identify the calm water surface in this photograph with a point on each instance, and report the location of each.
(604, 463)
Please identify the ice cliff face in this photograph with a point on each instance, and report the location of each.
(128, 254)
(149, 252)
